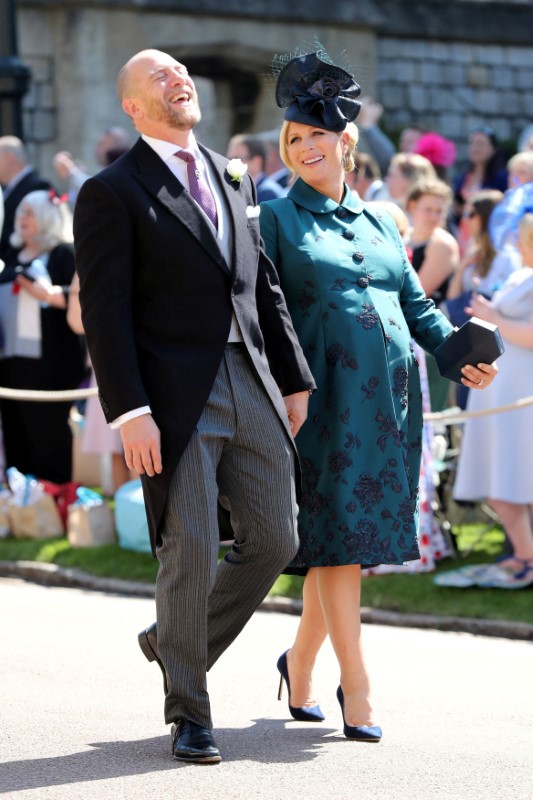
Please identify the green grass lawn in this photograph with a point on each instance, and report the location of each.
(396, 592)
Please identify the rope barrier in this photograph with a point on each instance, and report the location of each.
(452, 416)
(41, 396)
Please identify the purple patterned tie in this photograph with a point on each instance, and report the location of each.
(198, 188)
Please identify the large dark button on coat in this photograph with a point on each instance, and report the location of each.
(348, 235)
(362, 282)
(358, 256)
(341, 212)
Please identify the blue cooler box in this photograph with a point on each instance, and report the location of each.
(130, 518)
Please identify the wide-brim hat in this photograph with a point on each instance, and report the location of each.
(317, 93)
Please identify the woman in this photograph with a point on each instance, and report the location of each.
(480, 268)
(355, 303)
(486, 167)
(39, 349)
(435, 258)
(404, 171)
(486, 170)
(496, 457)
(435, 251)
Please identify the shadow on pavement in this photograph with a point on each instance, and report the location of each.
(267, 741)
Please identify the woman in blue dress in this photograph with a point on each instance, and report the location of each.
(356, 303)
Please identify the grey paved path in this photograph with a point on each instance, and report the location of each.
(81, 712)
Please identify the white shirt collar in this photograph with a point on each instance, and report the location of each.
(165, 150)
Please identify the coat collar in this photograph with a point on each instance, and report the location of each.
(304, 195)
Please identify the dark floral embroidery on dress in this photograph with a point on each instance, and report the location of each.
(325, 434)
(368, 491)
(399, 385)
(345, 416)
(310, 551)
(389, 426)
(363, 544)
(310, 474)
(314, 503)
(352, 440)
(340, 285)
(369, 317)
(305, 301)
(338, 461)
(336, 352)
(368, 391)
(407, 511)
(389, 476)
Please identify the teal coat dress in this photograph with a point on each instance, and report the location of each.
(355, 302)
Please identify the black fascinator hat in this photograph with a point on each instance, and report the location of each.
(317, 93)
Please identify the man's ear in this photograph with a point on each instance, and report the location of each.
(131, 108)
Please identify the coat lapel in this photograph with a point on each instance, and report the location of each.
(159, 181)
(234, 194)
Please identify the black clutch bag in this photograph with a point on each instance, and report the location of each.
(473, 343)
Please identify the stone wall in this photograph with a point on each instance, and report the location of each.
(451, 87)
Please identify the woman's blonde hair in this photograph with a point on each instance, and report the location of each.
(53, 218)
(523, 159)
(349, 157)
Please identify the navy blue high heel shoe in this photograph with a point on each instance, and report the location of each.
(305, 713)
(361, 733)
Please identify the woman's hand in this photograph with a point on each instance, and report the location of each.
(478, 377)
(43, 291)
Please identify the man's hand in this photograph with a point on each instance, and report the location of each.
(296, 405)
(63, 164)
(142, 445)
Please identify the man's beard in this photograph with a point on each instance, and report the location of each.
(183, 119)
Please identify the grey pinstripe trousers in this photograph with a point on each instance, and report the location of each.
(240, 451)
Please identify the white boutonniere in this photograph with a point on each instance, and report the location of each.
(236, 169)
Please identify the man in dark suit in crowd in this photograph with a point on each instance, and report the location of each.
(253, 152)
(18, 178)
(197, 361)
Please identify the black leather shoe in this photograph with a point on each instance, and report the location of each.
(148, 644)
(191, 742)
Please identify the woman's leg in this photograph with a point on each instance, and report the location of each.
(516, 520)
(309, 639)
(339, 590)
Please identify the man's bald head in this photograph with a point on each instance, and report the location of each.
(159, 95)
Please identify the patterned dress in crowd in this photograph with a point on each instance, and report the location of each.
(355, 302)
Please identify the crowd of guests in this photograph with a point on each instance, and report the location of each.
(444, 220)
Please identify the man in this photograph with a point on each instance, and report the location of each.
(253, 152)
(112, 143)
(18, 179)
(191, 341)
